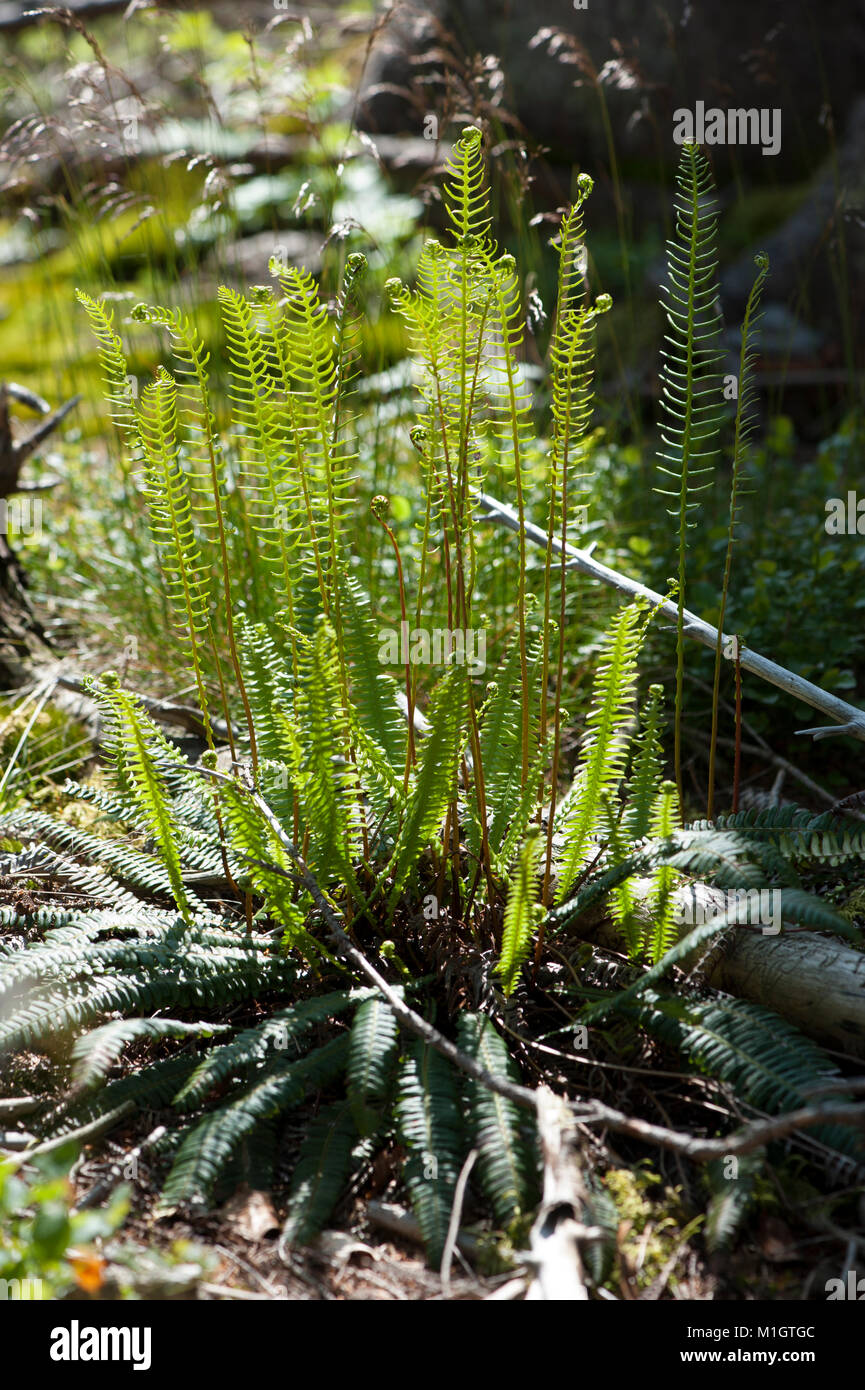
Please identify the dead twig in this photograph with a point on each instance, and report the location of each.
(850, 719)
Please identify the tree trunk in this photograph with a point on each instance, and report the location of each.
(25, 651)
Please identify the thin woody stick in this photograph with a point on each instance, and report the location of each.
(851, 720)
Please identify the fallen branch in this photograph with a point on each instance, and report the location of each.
(556, 1231)
(391, 1218)
(850, 719)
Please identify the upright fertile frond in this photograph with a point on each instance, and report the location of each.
(143, 742)
(207, 471)
(347, 336)
(745, 417)
(273, 492)
(572, 348)
(465, 191)
(306, 355)
(690, 384)
(207, 465)
(115, 368)
(511, 401)
(571, 286)
(691, 398)
(606, 741)
(435, 780)
(166, 488)
(430, 1127)
(572, 361)
(521, 914)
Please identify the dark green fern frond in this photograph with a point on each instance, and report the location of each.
(274, 1036)
(96, 1052)
(372, 1056)
(430, 1127)
(732, 1182)
(507, 1160)
(210, 1143)
(321, 1172)
(435, 780)
(766, 1060)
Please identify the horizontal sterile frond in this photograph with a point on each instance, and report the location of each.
(209, 1145)
(507, 1149)
(430, 1127)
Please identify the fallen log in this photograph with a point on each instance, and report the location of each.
(815, 982)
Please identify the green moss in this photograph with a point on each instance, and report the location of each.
(652, 1228)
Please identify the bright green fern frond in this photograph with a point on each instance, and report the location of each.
(606, 743)
(144, 743)
(521, 914)
(323, 774)
(466, 196)
(661, 908)
(115, 369)
(645, 778)
(372, 690)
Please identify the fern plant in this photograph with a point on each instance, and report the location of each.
(190, 899)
